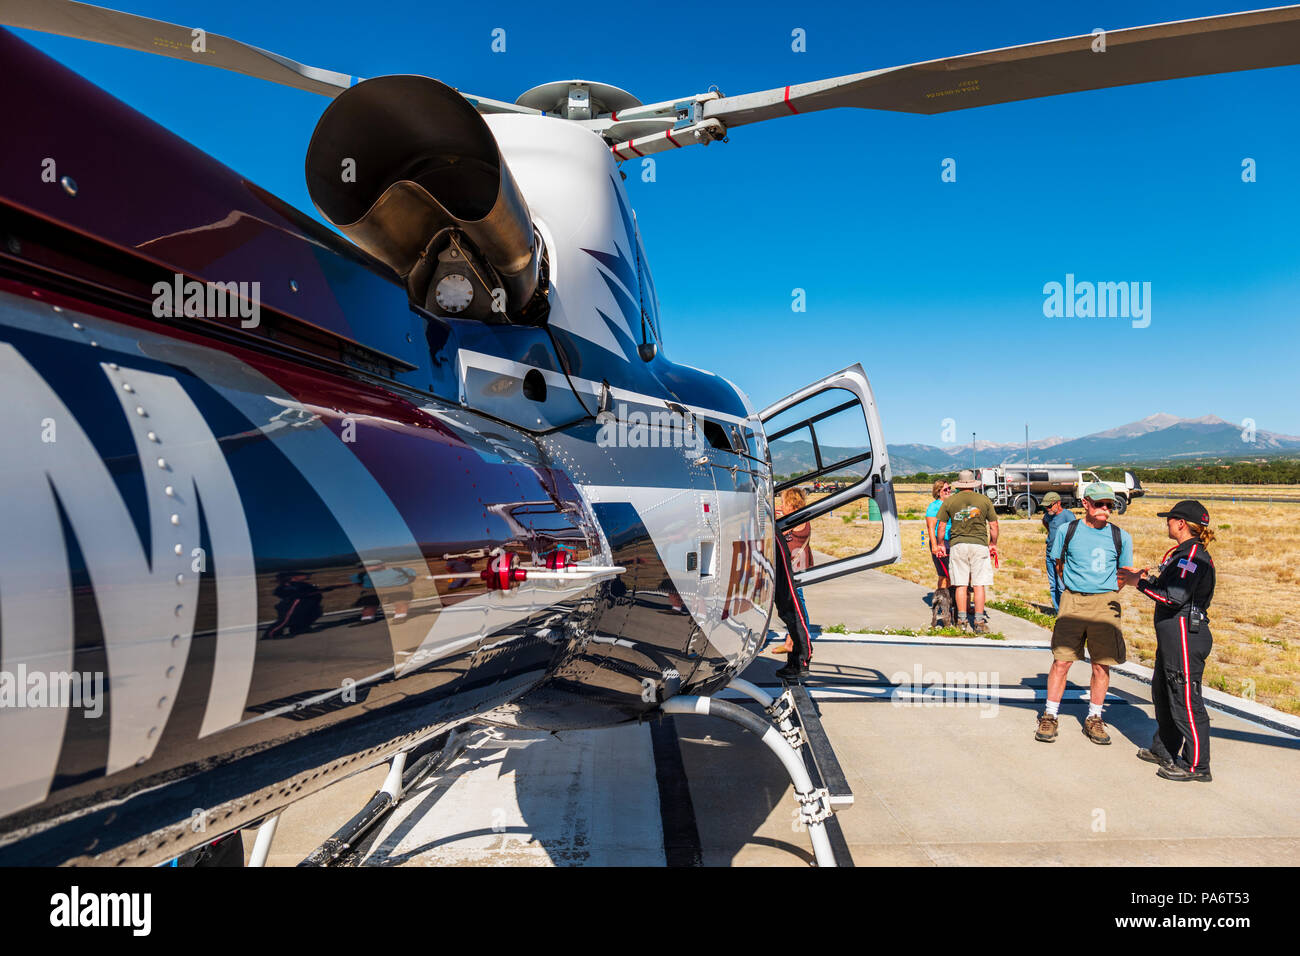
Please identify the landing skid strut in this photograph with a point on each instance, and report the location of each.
(784, 739)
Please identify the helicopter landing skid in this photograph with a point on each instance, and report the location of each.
(794, 734)
(351, 841)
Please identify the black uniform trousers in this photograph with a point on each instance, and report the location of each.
(787, 607)
(1182, 724)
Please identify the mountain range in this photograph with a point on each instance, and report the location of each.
(1156, 439)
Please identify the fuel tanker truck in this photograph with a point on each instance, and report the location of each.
(1010, 490)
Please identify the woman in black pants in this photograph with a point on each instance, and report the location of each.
(1182, 590)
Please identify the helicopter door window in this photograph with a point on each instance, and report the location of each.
(826, 438)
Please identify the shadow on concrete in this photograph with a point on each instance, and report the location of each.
(1127, 716)
(715, 753)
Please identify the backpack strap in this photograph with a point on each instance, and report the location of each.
(1119, 542)
(1072, 527)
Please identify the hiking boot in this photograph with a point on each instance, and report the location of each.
(1046, 728)
(1151, 757)
(981, 625)
(792, 672)
(1094, 728)
(964, 624)
(1182, 774)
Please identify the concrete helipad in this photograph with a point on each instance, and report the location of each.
(936, 739)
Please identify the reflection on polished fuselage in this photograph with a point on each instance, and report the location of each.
(248, 532)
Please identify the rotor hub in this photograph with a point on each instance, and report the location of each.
(578, 99)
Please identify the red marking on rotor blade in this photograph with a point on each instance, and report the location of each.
(669, 134)
(615, 115)
(787, 101)
(634, 149)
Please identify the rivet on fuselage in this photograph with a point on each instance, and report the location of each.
(69, 185)
(162, 462)
(126, 387)
(179, 549)
(152, 436)
(180, 579)
(176, 519)
(169, 491)
(78, 326)
(293, 285)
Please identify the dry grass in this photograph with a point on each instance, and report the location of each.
(1239, 491)
(1254, 616)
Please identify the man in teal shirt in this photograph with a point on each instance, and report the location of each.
(1054, 517)
(1089, 552)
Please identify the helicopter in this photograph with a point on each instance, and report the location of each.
(310, 500)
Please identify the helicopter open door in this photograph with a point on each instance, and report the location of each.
(828, 435)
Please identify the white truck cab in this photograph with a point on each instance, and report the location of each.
(1125, 491)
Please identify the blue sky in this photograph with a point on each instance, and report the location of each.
(937, 288)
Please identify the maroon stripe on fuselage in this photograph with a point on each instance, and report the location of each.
(159, 197)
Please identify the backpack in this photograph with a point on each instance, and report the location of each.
(1065, 546)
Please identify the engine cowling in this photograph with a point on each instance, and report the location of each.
(408, 170)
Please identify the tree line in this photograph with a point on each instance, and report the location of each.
(1278, 471)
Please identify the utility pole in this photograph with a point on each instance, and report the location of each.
(1028, 494)
(972, 451)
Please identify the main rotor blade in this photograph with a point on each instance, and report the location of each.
(83, 21)
(1164, 51)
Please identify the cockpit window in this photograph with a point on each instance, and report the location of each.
(649, 299)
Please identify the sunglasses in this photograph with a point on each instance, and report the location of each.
(1102, 504)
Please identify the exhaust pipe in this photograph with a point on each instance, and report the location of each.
(397, 160)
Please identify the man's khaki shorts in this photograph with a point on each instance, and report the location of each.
(969, 564)
(1093, 619)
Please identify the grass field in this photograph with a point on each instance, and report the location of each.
(1254, 617)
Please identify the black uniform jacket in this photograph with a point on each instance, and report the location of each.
(1185, 581)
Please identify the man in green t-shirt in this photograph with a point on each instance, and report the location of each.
(974, 540)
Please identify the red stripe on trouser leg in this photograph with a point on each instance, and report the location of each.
(1187, 695)
(798, 611)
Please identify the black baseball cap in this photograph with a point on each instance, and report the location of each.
(1188, 510)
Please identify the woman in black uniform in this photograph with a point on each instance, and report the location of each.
(1182, 589)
